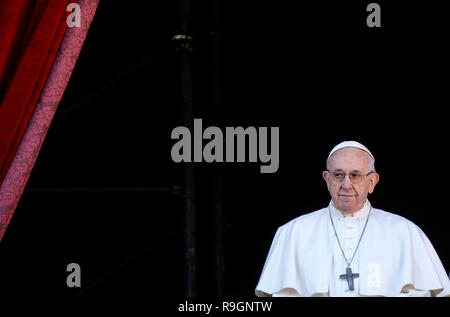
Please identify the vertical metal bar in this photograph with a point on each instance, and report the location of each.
(188, 191)
(219, 249)
(217, 101)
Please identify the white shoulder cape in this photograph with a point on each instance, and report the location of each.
(300, 257)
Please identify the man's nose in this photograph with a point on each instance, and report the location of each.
(347, 183)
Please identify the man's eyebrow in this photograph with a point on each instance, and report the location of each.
(341, 170)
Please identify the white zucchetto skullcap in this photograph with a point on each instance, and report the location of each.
(350, 144)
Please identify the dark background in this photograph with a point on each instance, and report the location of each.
(313, 69)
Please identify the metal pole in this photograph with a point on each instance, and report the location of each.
(219, 250)
(184, 38)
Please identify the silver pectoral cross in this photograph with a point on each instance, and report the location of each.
(349, 276)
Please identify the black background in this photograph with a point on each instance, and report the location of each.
(314, 69)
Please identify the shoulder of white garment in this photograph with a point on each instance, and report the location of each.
(307, 224)
(305, 219)
(394, 221)
(381, 215)
(390, 219)
(301, 226)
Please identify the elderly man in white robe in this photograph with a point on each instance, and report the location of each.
(350, 248)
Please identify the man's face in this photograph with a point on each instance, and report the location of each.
(348, 197)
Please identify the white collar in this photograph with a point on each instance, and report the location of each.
(362, 213)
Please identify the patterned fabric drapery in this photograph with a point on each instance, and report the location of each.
(37, 55)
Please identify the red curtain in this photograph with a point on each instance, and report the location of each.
(30, 35)
(28, 48)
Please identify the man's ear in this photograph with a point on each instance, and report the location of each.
(374, 179)
(325, 175)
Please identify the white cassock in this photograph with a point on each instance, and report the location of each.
(394, 258)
